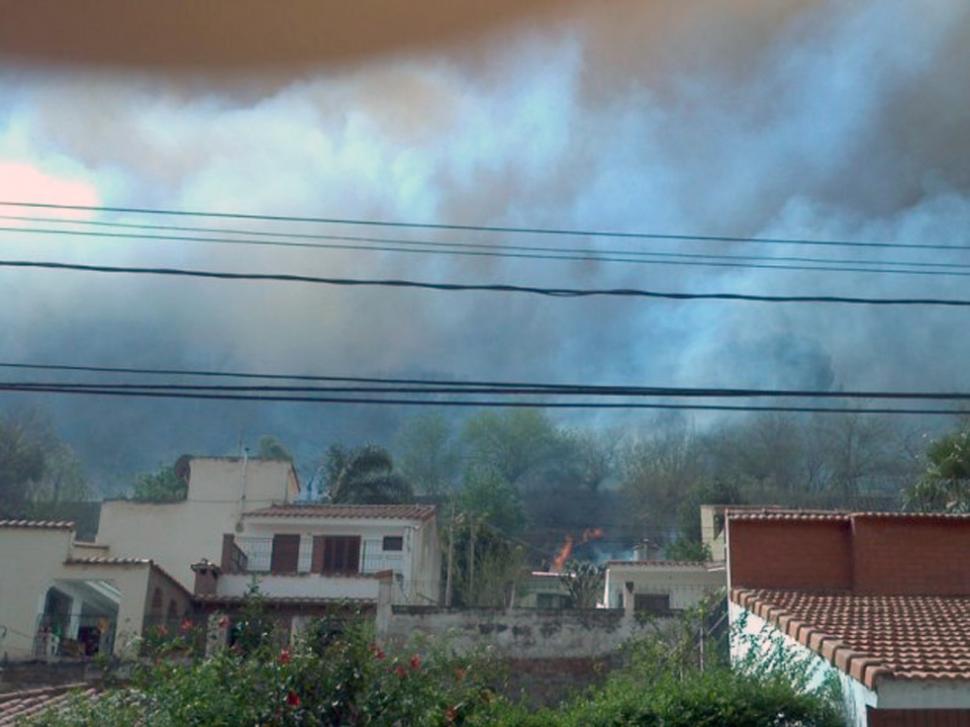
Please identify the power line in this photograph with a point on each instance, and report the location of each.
(493, 288)
(479, 228)
(439, 388)
(417, 247)
(5, 386)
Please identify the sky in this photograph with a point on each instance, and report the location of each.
(807, 119)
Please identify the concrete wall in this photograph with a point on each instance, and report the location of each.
(517, 633)
(33, 561)
(175, 535)
(686, 584)
(302, 585)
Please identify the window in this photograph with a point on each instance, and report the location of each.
(658, 603)
(157, 602)
(336, 554)
(286, 554)
(393, 542)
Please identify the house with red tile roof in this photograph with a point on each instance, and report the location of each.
(880, 600)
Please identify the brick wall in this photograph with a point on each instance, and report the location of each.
(810, 554)
(911, 556)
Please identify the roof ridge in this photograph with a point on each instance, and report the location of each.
(48, 524)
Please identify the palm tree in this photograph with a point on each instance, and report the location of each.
(364, 475)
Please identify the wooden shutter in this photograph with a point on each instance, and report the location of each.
(337, 554)
(316, 558)
(286, 554)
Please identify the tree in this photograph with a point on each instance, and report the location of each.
(429, 456)
(364, 475)
(272, 448)
(584, 581)
(517, 444)
(22, 465)
(489, 498)
(945, 486)
(162, 486)
(688, 550)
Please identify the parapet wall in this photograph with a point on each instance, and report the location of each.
(519, 633)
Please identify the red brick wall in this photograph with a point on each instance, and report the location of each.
(911, 556)
(810, 554)
(918, 717)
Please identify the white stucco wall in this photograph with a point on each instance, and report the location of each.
(855, 695)
(687, 585)
(419, 563)
(33, 561)
(175, 535)
(304, 585)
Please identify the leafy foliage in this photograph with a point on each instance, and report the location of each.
(688, 550)
(272, 448)
(584, 581)
(162, 486)
(430, 457)
(945, 486)
(365, 475)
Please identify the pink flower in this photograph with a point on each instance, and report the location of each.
(284, 657)
(401, 671)
(377, 651)
(293, 699)
(415, 662)
(186, 625)
(162, 630)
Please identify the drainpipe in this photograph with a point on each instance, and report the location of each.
(242, 497)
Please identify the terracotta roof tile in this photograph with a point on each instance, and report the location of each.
(212, 598)
(870, 637)
(707, 565)
(44, 524)
(21, 705)
(381, 512)
(105, 560)
(775, 514)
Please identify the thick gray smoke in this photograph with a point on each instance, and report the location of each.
(805, 119)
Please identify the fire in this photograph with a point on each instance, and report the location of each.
(563, 555)
(567, 547)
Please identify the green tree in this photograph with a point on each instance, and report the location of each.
(22, 464)
(365, 475)
(428, 453)
(518, 444)
(162, 486)
(490, 498)
(688, 550)
(272, 448)
(945, 486)
(584, 581)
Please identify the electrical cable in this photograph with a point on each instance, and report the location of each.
(480, 287)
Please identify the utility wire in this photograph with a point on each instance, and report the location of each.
(515, 390)
(478, 228)
(511, 385)
(492, 288)
(569, 254)
(12, 387)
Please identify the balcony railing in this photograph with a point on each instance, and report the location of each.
(259, 556)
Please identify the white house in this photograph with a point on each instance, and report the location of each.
(660, 586)
(334, 551)
(63, 598)
(221, 490)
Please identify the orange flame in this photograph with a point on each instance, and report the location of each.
(563, 555)
(567, 548)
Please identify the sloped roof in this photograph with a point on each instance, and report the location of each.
(873, 637)
(772, 514)
(375, 512)
(27, 703)
(212, 598)
(41, 524)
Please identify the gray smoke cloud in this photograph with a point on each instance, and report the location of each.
(797, 119)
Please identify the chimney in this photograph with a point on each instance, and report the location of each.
(206, 577)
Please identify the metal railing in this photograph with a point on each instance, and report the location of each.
(258, 551)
